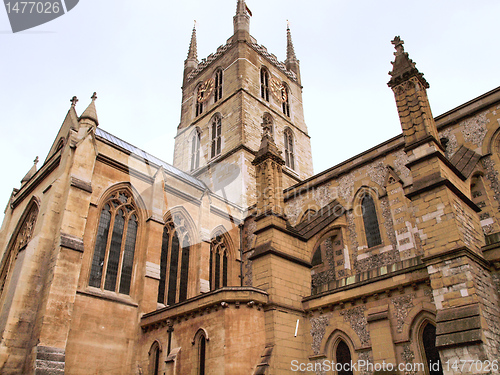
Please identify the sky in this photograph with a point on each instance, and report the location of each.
(132, 53)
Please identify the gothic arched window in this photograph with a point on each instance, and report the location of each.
(289, 154)
(202, 351)
(216, 135)
(218, 263)
(286, 103)
(154, 359)
(174, 263)
(198, 103)
(218, 85)
(431, 353)
(343, 357)
(264, 84)
(114, 249)
(372, 230)
(195, 151)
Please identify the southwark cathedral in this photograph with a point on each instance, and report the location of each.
(237, 259)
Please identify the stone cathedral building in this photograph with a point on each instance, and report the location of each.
(236, 259)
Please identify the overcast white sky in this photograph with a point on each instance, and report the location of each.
(132, 54)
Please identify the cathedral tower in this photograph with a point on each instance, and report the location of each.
(225, 99)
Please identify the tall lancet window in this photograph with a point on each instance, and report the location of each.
(114, 249)
(199, 100)
(195, 151)
(264, 84)
(289, 154)
(372, 230)
(174, 263)
(216, 135)
(218, 85)
(218, 263)
(286, 103)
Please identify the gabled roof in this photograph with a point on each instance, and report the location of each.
(150, 158)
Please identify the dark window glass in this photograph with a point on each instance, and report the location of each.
(128, 255)
(264, 84)
(286, 103)
(184, 271)
(114, 251)
(224, 270)
(174, 261)
(211, 270)
(163, 265)
(289, 154)
(202, 354)
(343, 355)
(156, 360)
(218, 85)
(216, 136)
(317, 259)
(217, 270)
(100, 247)
(371, 222)
(431, 353)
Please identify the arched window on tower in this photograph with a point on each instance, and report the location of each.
(114, 249)
(286, 102)
(216, 135)
(195, 151)
(199, 100)
(370, 220)
(174, 263)
(289, 154)
(218, 262)
(343, 356)
(200, 342)
(264, 84)
(218, 85)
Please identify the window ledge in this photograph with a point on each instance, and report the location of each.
(110, 296)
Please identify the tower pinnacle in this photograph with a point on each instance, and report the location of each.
(291, 62)
(403, 68)
(241, 21)
(191, 63)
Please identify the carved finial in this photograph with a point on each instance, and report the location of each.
(94, 96)
(398, 45)
(73, 101)
(36, 160)
(288, 24)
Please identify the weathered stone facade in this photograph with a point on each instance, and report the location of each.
(236, 260)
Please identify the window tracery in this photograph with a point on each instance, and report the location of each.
(218, 262)
(174, 263)
(216, 135)
(115, 243)
(289, 152)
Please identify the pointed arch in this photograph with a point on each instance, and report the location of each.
(423, 333)
(334, 335)
(218, 76)
(116, 239)
(154, 358)
(289, 142)
(198, 104)
(285, 105)
(267, 119)
(221, 254)
(366, 211)
(216, 135)
(201, 340)
(177, 241)
(195, 148)
(264, 83)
